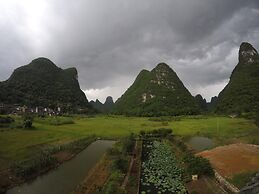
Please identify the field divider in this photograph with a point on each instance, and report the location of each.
(224, 182)
(139, 170)
(129, 169)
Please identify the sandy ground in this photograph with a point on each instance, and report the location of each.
(233, 159)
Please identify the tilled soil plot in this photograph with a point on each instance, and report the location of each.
(233, 159)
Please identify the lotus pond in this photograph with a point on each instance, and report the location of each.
(160, 172)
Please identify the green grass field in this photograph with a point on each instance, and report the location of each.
(16, 144)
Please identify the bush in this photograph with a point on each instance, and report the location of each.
(114, 151)
(74, 146)
(45, 160)
(142, 133)
(198, 165)
(61, 121)
(6, 120)
(27, 121)
(128, 144)
(121, 164)
(26, 169)
(161, 132)
(112, 186)
(165, 119)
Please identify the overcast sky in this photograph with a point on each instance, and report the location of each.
(110, 41)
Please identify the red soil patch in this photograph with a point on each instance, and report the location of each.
(233, 159)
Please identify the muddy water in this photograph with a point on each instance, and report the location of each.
(201, 143)
(68, 175)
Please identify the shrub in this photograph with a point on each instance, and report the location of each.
(61, 121)
(161, 132)
(27, 121)
(112, 185)
(198, 165)
(27, 168)
(128, 144)
(6, 120)
(121, 164)
(114, 151)
(142, 133)
(44, 159)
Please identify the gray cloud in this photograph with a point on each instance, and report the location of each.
(109, 42)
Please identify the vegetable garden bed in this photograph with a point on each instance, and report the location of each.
(160, 172)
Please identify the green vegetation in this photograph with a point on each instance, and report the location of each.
(42, 83)
(197, 165)
(44, 159)
(113, 184)
(27, 121)
(160, 169)
(18, 144)
(241, 179)
(26, 169)
(5, 121)
(128, 144)
(252, 116)
(194, 165)
(57, 120)
(161, 132)
(156, 93)
(241, 93)
(120, 156)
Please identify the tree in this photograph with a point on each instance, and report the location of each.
(27, 121)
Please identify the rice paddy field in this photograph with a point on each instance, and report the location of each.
(17, 143)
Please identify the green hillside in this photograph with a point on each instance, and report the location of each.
(157, 92)
(42, 83)
(241, 93)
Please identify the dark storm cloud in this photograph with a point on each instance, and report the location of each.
(111, 41)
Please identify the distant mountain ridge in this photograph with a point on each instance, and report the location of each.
(157, 92)
(201, 102)
(242, 92)
(211, 105)
(42, 83)
(153, 93)
(105, 107)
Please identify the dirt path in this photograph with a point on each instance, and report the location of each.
(126, 179)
